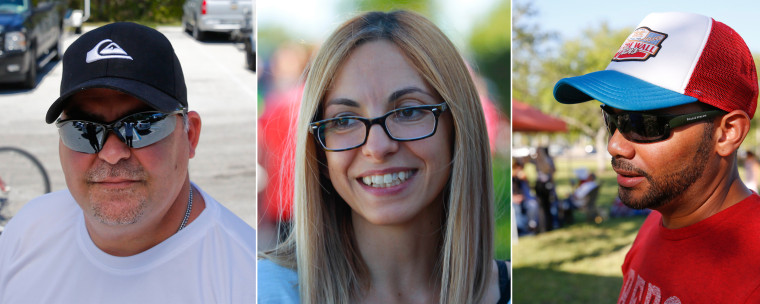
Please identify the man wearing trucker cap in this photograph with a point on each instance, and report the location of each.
(677, 100)
(131, 227)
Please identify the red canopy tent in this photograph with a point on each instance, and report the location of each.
(526, 118)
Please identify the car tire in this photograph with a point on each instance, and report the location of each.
(185, 25)
(78, 30)
(251, 61)
(31, 75)
(250, 56)
(197, 33)
(59, 48)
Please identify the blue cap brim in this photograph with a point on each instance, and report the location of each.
(619, 91)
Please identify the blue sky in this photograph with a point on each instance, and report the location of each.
(569, 18)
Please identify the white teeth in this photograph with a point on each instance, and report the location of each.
(386, 180)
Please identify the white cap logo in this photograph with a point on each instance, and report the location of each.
(110, 51)
(640, 45)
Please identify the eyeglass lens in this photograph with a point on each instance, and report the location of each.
(401, 124)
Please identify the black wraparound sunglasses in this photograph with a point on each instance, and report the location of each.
(136, 130)
(643, 127)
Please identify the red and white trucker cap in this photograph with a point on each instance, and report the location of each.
(669, 60)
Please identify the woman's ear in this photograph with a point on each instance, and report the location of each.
(730, 132)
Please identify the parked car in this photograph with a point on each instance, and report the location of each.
(247, 35)
(222, 16)
(31, 34)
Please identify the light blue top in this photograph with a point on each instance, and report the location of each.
(276, 284)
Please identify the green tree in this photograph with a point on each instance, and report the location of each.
(541, 59)
(490, 44)
(424, 7)
(529, 46)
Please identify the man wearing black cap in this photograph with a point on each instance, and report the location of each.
(131, 228)
(677, 100)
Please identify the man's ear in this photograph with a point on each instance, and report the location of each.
(193, 131)
(731, 130)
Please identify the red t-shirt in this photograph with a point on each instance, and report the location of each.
(716, 260)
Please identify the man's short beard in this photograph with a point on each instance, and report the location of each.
(132, 204)
(662, 190)
(120, 217)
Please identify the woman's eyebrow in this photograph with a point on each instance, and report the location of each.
(391, 98)
(342, 101)
(408, 90)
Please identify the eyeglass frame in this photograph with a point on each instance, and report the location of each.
(437, 109)
(111, 127)
(674, 121)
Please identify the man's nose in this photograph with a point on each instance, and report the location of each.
(114, 149)
(619, 147)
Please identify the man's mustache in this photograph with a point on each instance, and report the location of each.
(122, 169)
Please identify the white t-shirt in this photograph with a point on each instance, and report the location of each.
(277, 284)
(47, 256)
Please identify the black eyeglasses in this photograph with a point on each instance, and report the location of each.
(402, 124)
(644, 127)
(136, 131)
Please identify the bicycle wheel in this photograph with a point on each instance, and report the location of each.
(22, 178)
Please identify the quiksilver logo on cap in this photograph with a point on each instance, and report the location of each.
(640, 45)
(106, 49)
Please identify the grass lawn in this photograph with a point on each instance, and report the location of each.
(577, 264)
(502, 184)
(580, 263)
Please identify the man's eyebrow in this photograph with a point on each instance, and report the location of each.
(408, 90)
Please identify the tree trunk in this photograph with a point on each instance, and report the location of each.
(601, 150)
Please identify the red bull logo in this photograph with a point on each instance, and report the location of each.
(640, 45)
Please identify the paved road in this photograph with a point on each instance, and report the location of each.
(220, 88)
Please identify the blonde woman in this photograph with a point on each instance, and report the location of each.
(393, 191)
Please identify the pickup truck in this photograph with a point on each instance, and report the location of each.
(31, 34)
(221, 16)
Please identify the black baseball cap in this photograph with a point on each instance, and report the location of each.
(126, 57)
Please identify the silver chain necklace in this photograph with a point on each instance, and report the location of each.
(187, 212)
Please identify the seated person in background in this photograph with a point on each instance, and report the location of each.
(524, 204)
(584, 196)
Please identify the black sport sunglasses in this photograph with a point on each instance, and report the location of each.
(642, 127)
(136, 131)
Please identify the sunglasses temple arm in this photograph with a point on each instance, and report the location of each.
(689, 118)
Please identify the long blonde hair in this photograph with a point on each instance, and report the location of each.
(321, 246)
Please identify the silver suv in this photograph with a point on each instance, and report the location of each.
(223, 16)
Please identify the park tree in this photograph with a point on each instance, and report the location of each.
(541, 58)
(424, 7)
(529, 43)
(490, 45)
